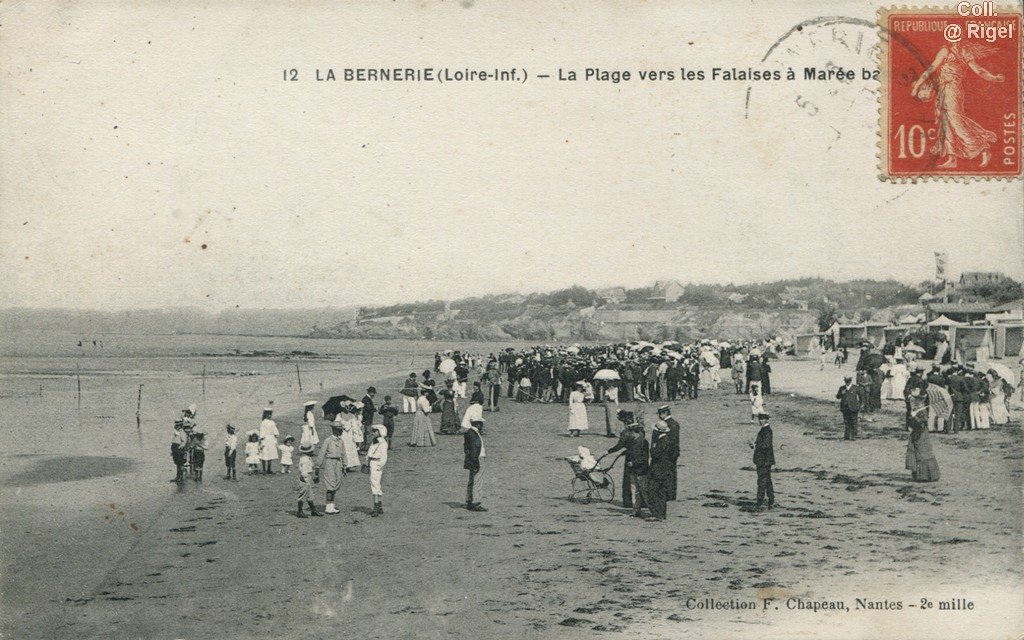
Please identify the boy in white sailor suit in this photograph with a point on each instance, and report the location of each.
(377, 457)
(307, 478)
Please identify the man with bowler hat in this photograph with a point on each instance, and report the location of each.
(626, 439)
(851, 401)
(665, 413)
(764, 460)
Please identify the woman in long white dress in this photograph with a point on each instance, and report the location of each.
(422, 427)
(577, 412)
(997, 400)
(349, 448)
(268, 441)
(309, 435)
(898, 376)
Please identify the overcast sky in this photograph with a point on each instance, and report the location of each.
(153, 156)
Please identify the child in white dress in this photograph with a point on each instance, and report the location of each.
(286, 448)
(252, 452)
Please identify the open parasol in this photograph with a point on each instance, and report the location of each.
(607, 374)
(914, 349)
(446, 366)
(332, 406)
(709, 357)
(1003, 372)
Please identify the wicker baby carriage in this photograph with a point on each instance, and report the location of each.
(592, 484)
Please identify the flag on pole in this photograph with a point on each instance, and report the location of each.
(941, 259)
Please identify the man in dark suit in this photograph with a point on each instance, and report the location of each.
(661, 472)
(637, 464)
(764, 460)
(753, 372)
(665, 413)
(935, 377)
(473, 448)
(369, 410)
(626, 438)
(851, 401)
(959, 392)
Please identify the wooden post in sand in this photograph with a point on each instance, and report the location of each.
(138, 414)
(299, 376)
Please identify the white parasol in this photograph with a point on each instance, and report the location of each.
(1003, 372)
(607, 374)
(446, 366)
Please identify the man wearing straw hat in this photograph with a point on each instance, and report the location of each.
(330, 465)
(473, 448)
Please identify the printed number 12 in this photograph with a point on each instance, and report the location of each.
(291, 74)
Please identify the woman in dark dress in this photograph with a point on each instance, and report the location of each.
(449, 417)
(766, 376)
(921, 461)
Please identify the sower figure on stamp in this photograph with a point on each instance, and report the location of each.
(958, 135)
(764, 460)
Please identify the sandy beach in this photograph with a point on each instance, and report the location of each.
(231, 559)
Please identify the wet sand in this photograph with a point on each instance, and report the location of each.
(230, 559)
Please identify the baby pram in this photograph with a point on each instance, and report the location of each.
(592, 484)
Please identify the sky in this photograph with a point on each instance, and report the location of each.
(154, 157)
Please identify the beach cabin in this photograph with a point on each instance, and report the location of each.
(807, 344)
(971, 343)
(896, 334)
(847, 335)
(1009, 341)
(942, 323)
(874, 332)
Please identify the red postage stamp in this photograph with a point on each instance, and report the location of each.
(950, 100)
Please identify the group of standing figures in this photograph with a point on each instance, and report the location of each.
(649, 474)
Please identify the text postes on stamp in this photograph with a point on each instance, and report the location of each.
(950, 104)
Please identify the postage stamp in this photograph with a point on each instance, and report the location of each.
(950, 99)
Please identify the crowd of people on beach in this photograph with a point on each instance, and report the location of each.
(575, 375)
(948, 399)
